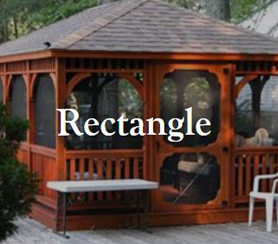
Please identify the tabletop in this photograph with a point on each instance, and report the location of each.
(102, 185)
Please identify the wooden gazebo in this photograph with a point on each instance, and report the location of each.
(146, 58)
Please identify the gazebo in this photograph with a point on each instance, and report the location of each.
(146, 58)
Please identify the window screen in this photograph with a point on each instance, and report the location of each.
(45, 112)
(101, 98)
(257, 113)
(18, 98)
(200, 90)
(190, 178)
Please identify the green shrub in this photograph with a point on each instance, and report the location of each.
(17, 186)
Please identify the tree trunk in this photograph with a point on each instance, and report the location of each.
(257, 86)
(219, 9)
(15, 27)
(4, 24)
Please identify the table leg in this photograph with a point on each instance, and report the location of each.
(63, 205)
(138, 208)
(65, 215)
(146, 199)
(57, 211)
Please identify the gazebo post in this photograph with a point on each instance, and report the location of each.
(231, 134)
(146, 108)
(60, 95)
(5, 84)
(30, 116)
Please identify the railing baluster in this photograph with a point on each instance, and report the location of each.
(109, 176)
(248, 175)
(118, 176)
(82, 175)
(240, 175)
(257, 166)
(91, 169)
(272, 168)
(118, 169)
(99, 176)
(72, 169)
(72, 173)
(91, 176)
(127, 168)
(135, 168)
(82, 169)
(264, 172)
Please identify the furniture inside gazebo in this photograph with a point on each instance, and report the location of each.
(146, 58)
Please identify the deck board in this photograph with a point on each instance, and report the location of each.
(32, 232)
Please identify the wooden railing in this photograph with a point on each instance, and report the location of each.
(42, 162)
(250, 162)
(22, 154)
(85, 165)
(104, 164)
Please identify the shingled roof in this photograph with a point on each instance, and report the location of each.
(143, 26)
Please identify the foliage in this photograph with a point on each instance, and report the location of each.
(52, 11)
(16, 17)
(168, 99)
(130, 102)
(198, 93)
(19, 17)
(244, 9)
(17, 186)
(183, 3)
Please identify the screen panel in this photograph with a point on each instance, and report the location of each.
(18, 98)
(103, 97)
(45, 106)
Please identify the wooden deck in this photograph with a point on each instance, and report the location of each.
(31, 232)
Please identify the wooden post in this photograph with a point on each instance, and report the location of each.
(30, 118)
(5, 84)
(231, 134)
(60, 96)
(147, 140)
(149, 93)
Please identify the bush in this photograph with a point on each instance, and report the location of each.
(17, 186)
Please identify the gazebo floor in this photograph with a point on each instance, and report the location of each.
(31, 232)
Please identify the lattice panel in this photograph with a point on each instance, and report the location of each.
(102, 64)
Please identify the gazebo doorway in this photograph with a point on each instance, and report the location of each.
(193, 173)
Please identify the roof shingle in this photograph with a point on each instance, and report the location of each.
(143, 26)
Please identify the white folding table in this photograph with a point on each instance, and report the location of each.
(65, 187)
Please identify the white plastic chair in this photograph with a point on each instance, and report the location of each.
(269, 198)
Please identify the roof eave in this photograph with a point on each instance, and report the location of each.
(138, 55)
(26, 56)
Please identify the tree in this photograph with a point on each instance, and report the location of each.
(17, 186)
(219, 9)
(19, 17)
(244, 9)
(53, 10)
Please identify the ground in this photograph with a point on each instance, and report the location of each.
(31, 232)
